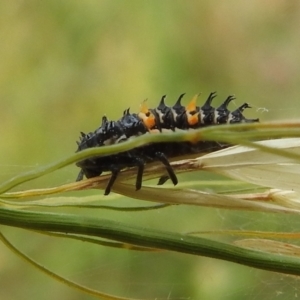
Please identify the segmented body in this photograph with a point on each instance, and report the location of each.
(154, 120)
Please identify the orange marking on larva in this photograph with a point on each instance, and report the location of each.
(148, 119)
(192, 105)
(191, 111)
(143, 107)
(147, 116)
(193, 119)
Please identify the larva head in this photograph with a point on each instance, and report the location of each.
(86, 141)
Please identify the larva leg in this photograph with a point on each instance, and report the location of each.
(80, 175)
(139, 178)
(163, 179)
(114, 174)
(169, 169)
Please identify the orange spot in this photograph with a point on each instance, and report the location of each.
(191, 111)
(192, 105)
(147, 116)
(144, 108)
(193, 119)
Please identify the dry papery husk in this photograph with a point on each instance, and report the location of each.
(280, 175)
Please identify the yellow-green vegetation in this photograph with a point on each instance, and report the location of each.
(63, 65)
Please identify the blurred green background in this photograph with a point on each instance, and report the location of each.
(64, 64)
